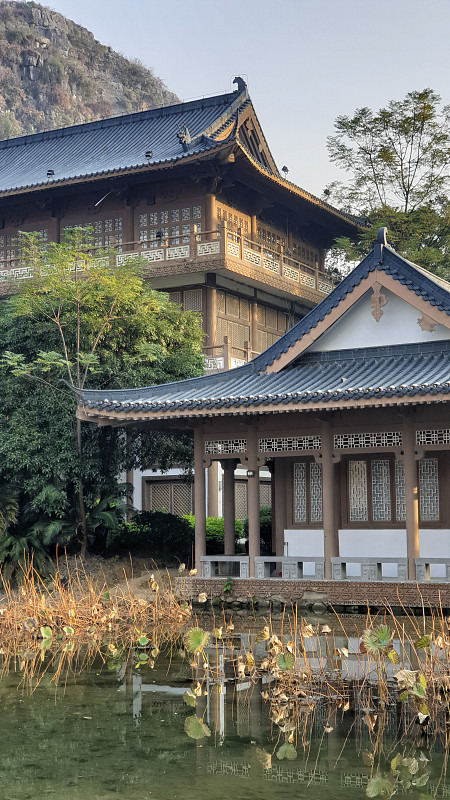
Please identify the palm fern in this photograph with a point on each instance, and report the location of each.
(9, 506)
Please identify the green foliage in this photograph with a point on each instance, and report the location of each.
(215, 533)
(285, 660)
(47, 66)
(287, 751)
(397, 160)
(228, 586)
(195, 728)
(153, 534)
(104, 327)
(196, 639)
(265, 529)
(377, 639)
(9, 507)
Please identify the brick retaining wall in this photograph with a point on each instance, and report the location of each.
(335, 593)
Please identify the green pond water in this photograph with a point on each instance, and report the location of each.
(107, 733)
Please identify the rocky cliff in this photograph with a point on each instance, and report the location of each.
(55, 73)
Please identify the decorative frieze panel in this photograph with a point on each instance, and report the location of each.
(438, 436)
(347, 441)
(324, 287)
(315, 492)
(236, 362)
(226, 446)
(271, 264)
(288, 444)
(252, 257)
(233, 249)
(208, 248)
(400, 494)
(300, 492)
(381, 490)
(213, 362)
(429, 489)
(178, 252)
(192, 300)
(357, 491)
(153, 255)
(291, 273)
(308, 280)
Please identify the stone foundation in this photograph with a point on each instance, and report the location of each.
(307, 594)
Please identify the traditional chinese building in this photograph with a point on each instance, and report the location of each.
(194, 190)
(349, 411)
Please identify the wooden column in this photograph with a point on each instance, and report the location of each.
(210, 213)
(411, 498)
(213, 490)
(253, 228)
(253, 499)
(330, 533)
(199, 498)
(254, 327)
(211, 318)
(279, 512)
(229, 505)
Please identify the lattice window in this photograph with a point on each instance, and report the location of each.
(142, 220)
(265, 494)
(160, 497)
(221, 302)
(164, 217)
(344, 441)
(357, 491)
(185, 213)
(240, 499)
(238, 334)
(226, 446)
(439, 436)
(196, 212)
(429, 489)
(232, 305)
(271, 318)
(262, 341)
(108, 225)
(193, 300)
(261, 315)
(400, 495)
(181, 498)
(175, 215)
(118, 224)
(289, 444)
(175, 297)
(221, 329)
(153, 218)
(315, 492)
(381, 490)
(300, 492)
(244, 310)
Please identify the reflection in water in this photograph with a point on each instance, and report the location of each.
(116, 728)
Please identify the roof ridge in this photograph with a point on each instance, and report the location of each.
(111, 122)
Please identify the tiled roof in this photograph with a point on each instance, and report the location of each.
(111, 145)
(418, 280)
(401, 371)
(341, 376)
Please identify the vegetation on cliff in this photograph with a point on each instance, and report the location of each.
(55, 73)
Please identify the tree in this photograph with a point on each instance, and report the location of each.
(87, 322)
(399, 165)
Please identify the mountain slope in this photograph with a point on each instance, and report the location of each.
(55, 73)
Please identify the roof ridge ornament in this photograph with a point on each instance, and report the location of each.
(240, 83)
(379, 244)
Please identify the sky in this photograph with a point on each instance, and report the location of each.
(305, 61)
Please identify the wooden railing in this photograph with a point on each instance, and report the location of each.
(200, 247)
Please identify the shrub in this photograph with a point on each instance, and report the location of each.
(215, 534)
(153, 534)
(265, 523)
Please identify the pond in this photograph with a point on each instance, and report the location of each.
(114, 729)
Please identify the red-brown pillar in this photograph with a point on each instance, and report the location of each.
(279, 512)
(210, 214)
(199, 498)
(253, 500)
(411, 498)
(229, 505)
(330, 532)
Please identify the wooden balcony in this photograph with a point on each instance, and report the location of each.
(214, 250)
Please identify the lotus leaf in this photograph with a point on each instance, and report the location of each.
(377, 638)
(195, 728)
(189, 699)
(196, 640)
(285, 661)
(287, 751)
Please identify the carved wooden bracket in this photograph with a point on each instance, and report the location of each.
(426, 323)
(377, 301)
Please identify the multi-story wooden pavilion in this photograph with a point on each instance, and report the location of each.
(349, 410)
(194, 190)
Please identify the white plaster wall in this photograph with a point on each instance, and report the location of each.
(435, 543)
(358, 328)
(304, 543)
(148, 473)
(372, 544)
